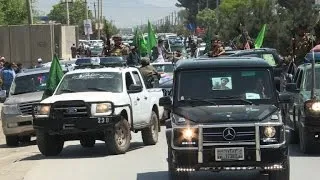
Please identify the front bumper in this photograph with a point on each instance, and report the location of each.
(256, 155)
(75, 125)
(17, 124)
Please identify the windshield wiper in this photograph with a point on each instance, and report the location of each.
(23, 92)
(235, 98)
(97, 89)
(198, 100)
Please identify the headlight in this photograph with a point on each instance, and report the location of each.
(183, 137)
(101, 109)
(269, 132)
(316, 106)
(11, 109)
(188, 134)
(42, 110)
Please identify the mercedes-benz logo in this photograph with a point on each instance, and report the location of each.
(72, 110)
(229, 134)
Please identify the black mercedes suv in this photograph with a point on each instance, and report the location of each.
(226, 116)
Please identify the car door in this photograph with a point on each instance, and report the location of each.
(145, 101)
(136, 98)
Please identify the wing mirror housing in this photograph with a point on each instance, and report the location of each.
(166, 102)
(134, 88)
(285, 98)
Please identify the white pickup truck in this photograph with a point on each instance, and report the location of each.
(98, 104)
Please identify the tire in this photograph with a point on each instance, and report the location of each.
(12, 141)
(118, 139)
(87, 141)
(283, 174)
(150, 134)
(306, 142)
(26, 139)
(49, 145)
(173, 174)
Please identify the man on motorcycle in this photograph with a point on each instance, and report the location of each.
(150, 75)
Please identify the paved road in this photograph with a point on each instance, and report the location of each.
(140, 163)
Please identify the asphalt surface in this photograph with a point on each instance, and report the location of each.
(140, 163)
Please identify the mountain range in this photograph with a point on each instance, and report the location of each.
(126, 13)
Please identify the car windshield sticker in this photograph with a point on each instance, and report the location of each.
(93, 75)
(248, 73)
(252, 96)
(221, 83)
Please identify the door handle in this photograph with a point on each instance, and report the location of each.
(138, 99)
(145, 98)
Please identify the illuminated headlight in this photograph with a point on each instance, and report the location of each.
(10, 109)
(185, 136)
(316, 106)
(42, 110)
(188, 134)
(101, 109)
(269, 132)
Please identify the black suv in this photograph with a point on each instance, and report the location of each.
(226, 116)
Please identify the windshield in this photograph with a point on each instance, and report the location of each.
(308, 82)
(93, 81)
(226, 86)
(163, 68)
(29, 83)
(178, 48)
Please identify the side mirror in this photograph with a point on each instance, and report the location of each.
(166, 102)
(3, 96)
(292, 87)
(134, 88)
(285, 98)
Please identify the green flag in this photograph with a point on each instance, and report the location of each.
(260, 38)
(152, 40)
(136, 38)
(55, 76)
(143, 49)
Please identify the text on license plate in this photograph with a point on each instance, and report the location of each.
(229, 154)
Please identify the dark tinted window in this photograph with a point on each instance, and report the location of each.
(29, 83)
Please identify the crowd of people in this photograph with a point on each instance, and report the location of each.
(8, 71)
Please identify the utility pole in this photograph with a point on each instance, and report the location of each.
(99, 32)
(87, 17)
(30, 16)
(68, 14)
(95, 11)
(101, 17)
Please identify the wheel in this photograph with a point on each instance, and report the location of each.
(87, 141)
(49, 145)
(118, 139)
(283, 174)
(150, 134)
(306, 141)
(25, 139)
(12, 140)
(173, 174)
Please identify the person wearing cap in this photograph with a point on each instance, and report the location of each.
(118, 49)
(133, 58)
(39, 63)
(159, 52)
(149, 73)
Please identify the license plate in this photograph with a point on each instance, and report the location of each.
(229, 154)
(103, 120)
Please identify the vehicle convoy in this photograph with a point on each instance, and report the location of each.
(305, 110)
(98, 103)
(16, 113)
(226, 116)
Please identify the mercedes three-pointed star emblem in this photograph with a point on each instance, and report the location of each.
(229, 134)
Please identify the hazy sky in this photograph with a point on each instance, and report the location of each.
(125, 13)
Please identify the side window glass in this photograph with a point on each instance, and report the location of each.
(299, 80)
(129, 80)
(270, 59)
(137, 78)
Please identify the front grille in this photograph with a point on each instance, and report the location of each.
(70, 109)
(216, 135)
(27, 108)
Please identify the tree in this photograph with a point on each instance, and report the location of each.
(13, 12)
(206, 17)
(109, 28)
(77, 13)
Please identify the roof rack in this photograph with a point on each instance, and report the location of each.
(100, 62)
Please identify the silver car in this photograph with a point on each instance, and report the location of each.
(16, 114)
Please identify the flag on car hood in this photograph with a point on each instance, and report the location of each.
(55, 76)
